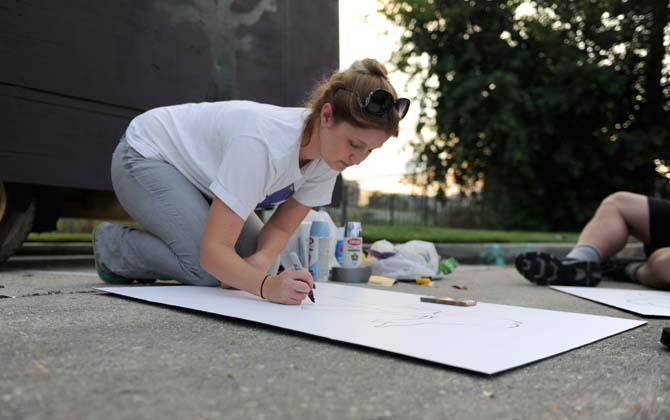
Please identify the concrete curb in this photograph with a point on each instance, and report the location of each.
(55, 248)
(465, 253)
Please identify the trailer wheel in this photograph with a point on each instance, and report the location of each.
(17, 214)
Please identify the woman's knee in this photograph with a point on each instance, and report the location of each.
(193, 274)
(200, 277)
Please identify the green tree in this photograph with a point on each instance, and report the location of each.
(546, 112)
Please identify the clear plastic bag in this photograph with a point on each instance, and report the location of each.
(409, 260)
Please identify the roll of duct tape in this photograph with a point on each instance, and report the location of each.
(351, 274)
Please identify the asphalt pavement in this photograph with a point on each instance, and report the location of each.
(68, 351)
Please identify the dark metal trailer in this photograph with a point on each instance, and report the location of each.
(73, 73)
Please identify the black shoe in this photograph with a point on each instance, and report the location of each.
(546, 270)
(614, 268)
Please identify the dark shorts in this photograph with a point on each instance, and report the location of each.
(659, 225)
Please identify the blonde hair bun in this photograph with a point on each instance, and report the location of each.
(369, 66)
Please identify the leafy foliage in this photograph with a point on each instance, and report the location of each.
(544, 112)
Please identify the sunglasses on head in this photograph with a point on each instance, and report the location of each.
(379, 102)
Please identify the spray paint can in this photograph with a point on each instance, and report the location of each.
(319, 250)
(352, 247)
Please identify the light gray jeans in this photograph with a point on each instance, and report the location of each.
(173, 214)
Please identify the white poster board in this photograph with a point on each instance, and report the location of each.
(485, 338)
(643, 302)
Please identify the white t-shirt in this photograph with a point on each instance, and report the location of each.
(243, 152)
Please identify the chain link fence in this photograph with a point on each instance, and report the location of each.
(373, 207)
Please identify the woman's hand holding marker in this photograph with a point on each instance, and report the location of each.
(298, 266)
(290, 287)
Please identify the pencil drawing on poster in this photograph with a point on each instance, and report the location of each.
(658, 300)
(408, 315)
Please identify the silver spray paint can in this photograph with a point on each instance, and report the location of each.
(352, 246)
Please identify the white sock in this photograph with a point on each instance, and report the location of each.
(585, 252)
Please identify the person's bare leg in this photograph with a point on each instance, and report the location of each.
(619, 215)
(656, 271)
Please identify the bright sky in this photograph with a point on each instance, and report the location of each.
(366, 33)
